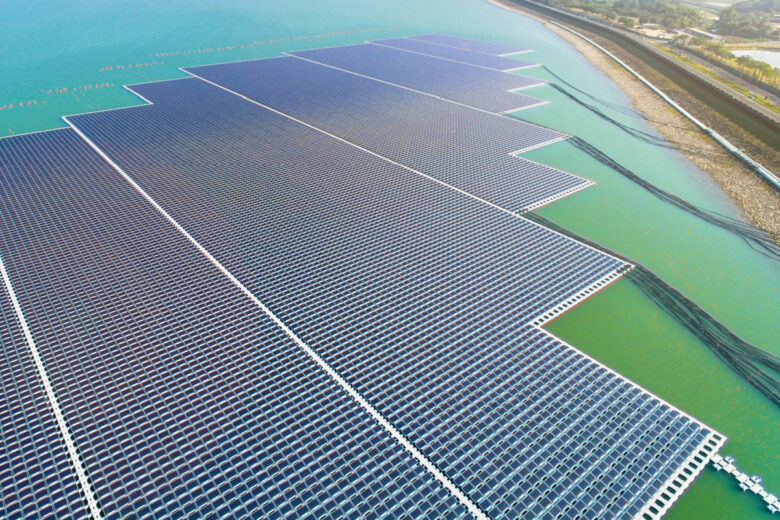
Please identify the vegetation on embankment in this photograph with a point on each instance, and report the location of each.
(749, 19)
(734, 86)
(757, 70)
(670, 15)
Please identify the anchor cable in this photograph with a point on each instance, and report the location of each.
(759, 368)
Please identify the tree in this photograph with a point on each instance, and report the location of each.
(718, 49)
(744, 62)
(762, 6)
(745, 25)
(766, 70)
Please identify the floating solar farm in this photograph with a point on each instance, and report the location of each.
(303, 287)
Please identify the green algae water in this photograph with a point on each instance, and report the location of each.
(64, 58)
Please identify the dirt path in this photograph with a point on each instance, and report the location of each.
(759, 203)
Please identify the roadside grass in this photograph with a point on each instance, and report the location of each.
(737, 88)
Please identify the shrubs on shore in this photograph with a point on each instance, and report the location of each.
(668, 14)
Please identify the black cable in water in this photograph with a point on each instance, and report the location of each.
(614, 106)
(752, 235)
(758, 239)
(641, 135)
(631, 112)
(759, 368)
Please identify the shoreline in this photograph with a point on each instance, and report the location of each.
(758, 202)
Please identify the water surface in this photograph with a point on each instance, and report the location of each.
(770, 57)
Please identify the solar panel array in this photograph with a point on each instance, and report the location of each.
(463, 147)
(186, 398)
(469, 45)
(451, 53)
(36, 480)
(233, 147)
(460, 82)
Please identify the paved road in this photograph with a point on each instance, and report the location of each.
(731, 77)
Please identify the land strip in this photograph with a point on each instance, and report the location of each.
(758, 201)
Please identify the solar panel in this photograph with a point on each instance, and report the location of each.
(472, 86)
(452, 53)
(460, 146)
(36, 479)
(471, 45)
(184, 398)
(420, 297)
(282, 308)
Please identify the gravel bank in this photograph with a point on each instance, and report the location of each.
(758, 202)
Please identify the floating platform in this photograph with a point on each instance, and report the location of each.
(479, 59)
(476, 87)
(282, 289)
(752, 483)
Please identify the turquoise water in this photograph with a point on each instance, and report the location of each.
(770, 57)
(83, 52)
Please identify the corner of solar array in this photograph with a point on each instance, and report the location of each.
(663, 500)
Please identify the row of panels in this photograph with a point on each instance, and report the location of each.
(463, 147)
(185, 400)
(388, 275)
(36, 480)
(483, 47)
(460, 55)
(459, 82)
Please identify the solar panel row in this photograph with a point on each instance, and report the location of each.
(185, 400)
(387, 275)
(460, 82)
(36, 479)
(470, 45)
(465, 148)
(451, 53)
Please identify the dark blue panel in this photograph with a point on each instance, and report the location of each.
(536, 267)
(36, 479)
(419, 296)
(466, 148)
(185, 399)
(470, 45)
(473, 86)
(452, 53)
